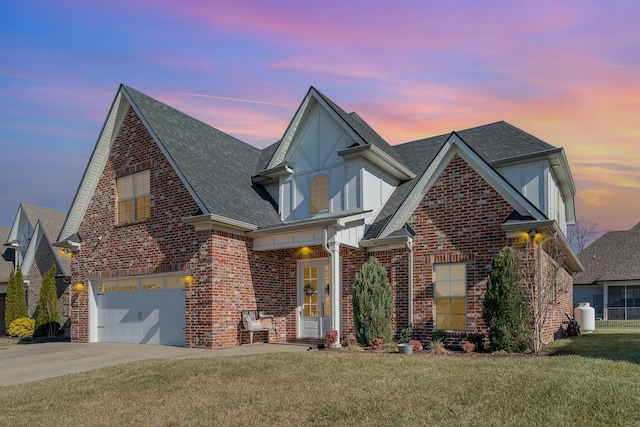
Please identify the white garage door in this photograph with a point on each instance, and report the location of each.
(147, 310)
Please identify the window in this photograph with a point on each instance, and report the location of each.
(152, 284)
(451, 296)
(175, 282)
(128, 285)
(106, 287)
(319, 189)
(134, 197)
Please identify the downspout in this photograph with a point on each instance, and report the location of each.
(410, 284)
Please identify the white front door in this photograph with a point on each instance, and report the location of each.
(313, 298)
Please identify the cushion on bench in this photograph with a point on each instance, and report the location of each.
(250, 324)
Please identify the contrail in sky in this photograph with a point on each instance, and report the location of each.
(236, 99)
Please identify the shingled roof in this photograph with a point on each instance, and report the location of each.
(217, 166)
(52, 220)
(494, 142)
(614, 256)
(362, 128)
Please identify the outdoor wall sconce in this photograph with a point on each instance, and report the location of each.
(78, 288)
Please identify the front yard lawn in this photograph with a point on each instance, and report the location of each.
(340, 388)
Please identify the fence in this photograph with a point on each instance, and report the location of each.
(617, 316)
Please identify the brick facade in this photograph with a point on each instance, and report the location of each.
(44, 259)
(459, 220)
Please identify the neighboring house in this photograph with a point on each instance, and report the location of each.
(610, 281)
(176, 227)
(6, 265)
(30, 239)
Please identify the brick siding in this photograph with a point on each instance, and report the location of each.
(459, 220)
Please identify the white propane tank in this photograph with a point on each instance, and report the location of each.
(586, 316)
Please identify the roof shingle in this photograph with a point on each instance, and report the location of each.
(614, 256)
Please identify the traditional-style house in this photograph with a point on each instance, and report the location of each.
(177, 227)
(29, 243)
(6, 266)
(610, 281)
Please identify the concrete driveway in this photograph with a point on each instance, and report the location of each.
(21, 363)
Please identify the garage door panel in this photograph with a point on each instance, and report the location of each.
(144, 317)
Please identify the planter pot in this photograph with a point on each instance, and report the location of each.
(405, 348)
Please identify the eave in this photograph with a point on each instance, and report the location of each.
(272, 175)
(69, 245)
(548, 228)
(217, 222)
(318, 223)
(379, 158)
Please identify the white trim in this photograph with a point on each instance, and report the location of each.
(453, 146)
(306, 107)
(376, 156)
(218, 222)
(96, 165)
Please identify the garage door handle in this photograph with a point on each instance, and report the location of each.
(139, 315)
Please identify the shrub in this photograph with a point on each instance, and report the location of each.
(50, 329)
(439, 335)
(476, 339)
(405, 336)
(468, 347)
(354, 348)
(390, 347)
(48, 321)
(437, 347)
(372, 303)
(417, 345)
(376, 343)
(23, 327)
(16, 300)
(505, 310)
(331, 338)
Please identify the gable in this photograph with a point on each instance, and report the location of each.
(460, 208)
(208, 163)
(317, 143)
(456, 147)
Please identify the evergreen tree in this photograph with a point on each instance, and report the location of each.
(505, 310)
(372, 303)
(48, 320)
(16, 301)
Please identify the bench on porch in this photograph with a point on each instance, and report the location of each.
(253, 321)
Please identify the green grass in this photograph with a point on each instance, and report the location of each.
(598, 385)
(621, 344)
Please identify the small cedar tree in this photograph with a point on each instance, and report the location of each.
(372, 303)
(505, 310)
(16, 300)
(48, 320)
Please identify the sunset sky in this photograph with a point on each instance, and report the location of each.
(567, 72)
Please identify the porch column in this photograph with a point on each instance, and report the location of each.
(335, 288)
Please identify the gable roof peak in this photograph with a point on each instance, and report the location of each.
(361, 130)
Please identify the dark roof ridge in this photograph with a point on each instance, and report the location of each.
(361, 128)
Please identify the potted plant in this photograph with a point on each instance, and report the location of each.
(417, 345)
(331, 339)
(376, 343)
(405, 348)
